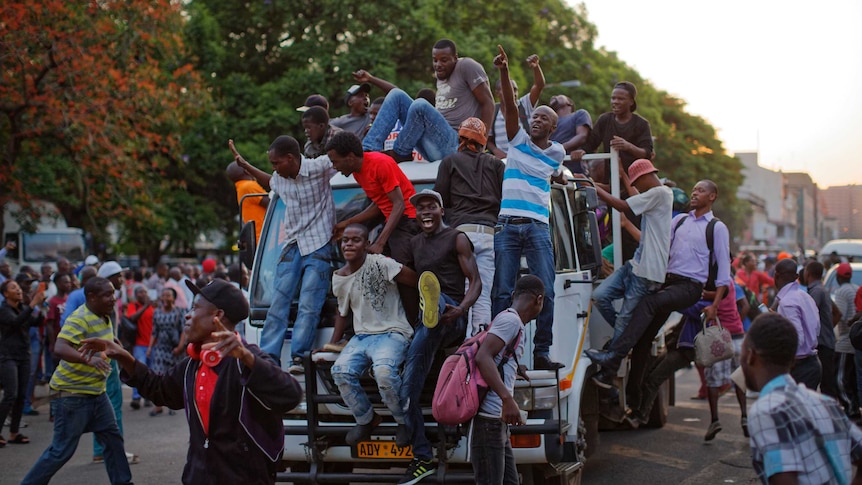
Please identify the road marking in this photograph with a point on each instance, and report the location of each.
(650, 457)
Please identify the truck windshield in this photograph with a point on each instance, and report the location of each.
(48, 247)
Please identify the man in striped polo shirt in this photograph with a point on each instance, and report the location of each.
(533, 161)
(81, 405)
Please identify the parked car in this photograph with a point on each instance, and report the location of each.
(831, 283)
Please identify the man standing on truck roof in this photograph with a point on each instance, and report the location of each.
(533, 163)
(462, 91)
(305, 263)
(366, 284)
(443, 257)
(471, 185)
(645, 272)
(688, 269)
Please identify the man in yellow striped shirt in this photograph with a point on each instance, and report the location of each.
(81, 405)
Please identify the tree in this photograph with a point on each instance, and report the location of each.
(95, 97)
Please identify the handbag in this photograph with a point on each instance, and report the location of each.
(713, 344)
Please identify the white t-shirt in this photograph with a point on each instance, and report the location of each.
(655, 207)
(507, 325)
(373, 295)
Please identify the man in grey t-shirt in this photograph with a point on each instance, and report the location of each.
(462, 91)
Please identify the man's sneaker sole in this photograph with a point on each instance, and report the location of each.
(429, 298)
(419, 473)
(600, 383)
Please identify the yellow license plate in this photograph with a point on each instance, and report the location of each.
(384, 450)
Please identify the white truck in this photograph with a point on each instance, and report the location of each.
(48, 240)
(563, 407)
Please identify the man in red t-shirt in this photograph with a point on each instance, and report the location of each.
(754, 280)
(140, 311)
(386, 185)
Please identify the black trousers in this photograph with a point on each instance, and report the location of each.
(807, 371)
(828, 373)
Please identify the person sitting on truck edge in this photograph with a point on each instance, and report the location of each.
(533, 162)
(234, 394)
(357, 119)
(390, 190)
(797, 435)
(797, 306)
(303, 185)
(572, 129)
(366, 284)
(254, 209)
(490, 448)
(498, 142)
(471, 185)
(645, 272)
(318, 130)
(687, 273)
(462, 91)
(443, 257)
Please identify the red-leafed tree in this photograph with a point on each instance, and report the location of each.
(94, 97)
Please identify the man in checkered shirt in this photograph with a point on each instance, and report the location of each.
(797, 435)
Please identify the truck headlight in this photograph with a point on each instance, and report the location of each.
(535, 398)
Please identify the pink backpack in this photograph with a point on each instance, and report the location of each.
(460, 387)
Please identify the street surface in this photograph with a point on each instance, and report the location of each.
(674, 454)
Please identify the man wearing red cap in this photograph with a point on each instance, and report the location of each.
(645, 272)
(471, 184)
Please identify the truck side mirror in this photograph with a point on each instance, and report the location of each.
(247, 243)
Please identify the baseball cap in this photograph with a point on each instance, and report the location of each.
(314, 100)
(110, 268)
(473, 129)
(640, 167)
(225, 296)
(426, 193)
(91, 260)
(844, 270)
(355, 89)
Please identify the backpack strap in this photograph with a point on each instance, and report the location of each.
(710, 243)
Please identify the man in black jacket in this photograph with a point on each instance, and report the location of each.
(233, 393)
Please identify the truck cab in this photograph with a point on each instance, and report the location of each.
(44, 241)
(563, 407)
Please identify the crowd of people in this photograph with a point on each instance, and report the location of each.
(444, 266)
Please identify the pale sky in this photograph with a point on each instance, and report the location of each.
(780, 77)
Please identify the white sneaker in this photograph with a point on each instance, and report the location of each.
(8, 421)
(132, 458)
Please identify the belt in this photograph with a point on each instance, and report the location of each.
(675, 277)
(60, 394)
(515, 220)
(476, 228)
(812, 356)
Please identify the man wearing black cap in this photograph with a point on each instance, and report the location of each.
(314, 100)
(358, 119)
(233, 393)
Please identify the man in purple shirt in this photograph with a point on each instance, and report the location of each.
(797, 306)
(687, 271)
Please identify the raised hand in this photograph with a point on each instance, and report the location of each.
(533, 61)
(500, 60)
(362, 76)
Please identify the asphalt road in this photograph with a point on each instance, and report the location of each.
(674, 454)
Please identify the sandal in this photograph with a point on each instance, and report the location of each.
(19, 439)
(2, 442)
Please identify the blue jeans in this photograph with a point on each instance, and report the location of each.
(35, 354)
(308, 275)
(384, 353)
(114, 391)
(74, 415)
(424, 128)
(426, 342)
(532, 240)
(491, 453)
(622, 283)
(140, 353)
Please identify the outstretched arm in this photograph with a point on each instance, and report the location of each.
(364, 76)
(538, 79)
(507, 105)
(258, 174)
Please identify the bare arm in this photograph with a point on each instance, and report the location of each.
(364, 76)
(264, 201)
(485, 362)
(507, 104)
(398, 205)
(407, 277)
(581, 134)
(616, 203)
(496, 151)
(258, 174)
(467, 261)
(538, 79)
(485, 99)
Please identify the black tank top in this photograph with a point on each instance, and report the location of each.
(438, 254)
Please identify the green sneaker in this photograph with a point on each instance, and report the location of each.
(417, 470)
(429, 298)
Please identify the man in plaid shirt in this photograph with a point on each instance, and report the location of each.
(797, 435)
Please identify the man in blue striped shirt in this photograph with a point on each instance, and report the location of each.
(533, 161)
